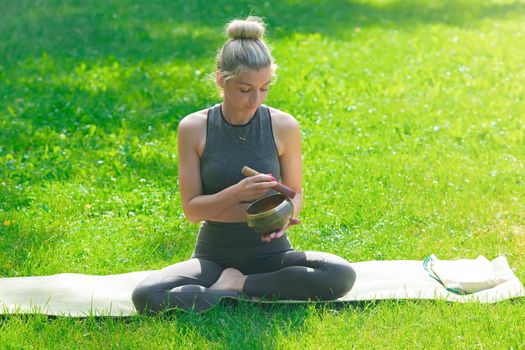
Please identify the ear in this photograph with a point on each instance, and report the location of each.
(219, 79)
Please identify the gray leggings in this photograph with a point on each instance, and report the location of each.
(287, 274)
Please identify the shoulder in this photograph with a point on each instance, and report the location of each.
(287, 134)
(282, 121)
(194, 122)
(192, 131)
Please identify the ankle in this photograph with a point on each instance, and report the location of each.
(240, 283)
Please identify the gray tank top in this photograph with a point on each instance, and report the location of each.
(225, 153)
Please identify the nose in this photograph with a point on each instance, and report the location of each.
(256, 98)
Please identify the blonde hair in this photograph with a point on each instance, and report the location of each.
(245, 48)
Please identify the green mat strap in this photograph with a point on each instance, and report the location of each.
(426, 266)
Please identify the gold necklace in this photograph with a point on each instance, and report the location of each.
(242, 138)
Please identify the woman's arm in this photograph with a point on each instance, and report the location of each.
(288, 141)
(222, 205)
(195, 206)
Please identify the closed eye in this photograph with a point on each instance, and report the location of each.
(246, 91)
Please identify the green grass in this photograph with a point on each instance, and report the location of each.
(413, 122)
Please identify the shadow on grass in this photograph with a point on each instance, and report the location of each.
(178, 32)
(251, 325)
(66, 107)
(188, 30)
(230, 324)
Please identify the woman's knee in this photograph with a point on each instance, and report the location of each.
(139, 296)
(343, 277)
(340, 275)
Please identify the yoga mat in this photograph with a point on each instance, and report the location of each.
(80, 295)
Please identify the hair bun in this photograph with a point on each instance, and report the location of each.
(250, 28)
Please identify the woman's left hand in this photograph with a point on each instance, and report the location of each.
(274, 235)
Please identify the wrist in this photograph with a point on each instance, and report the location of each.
(236, 193)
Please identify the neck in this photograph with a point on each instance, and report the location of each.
(233, 115)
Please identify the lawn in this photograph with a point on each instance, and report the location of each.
(413, 125)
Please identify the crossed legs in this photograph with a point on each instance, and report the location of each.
(301, 276)
(200, 283)
(183, 285)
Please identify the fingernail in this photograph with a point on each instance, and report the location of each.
(273, 179)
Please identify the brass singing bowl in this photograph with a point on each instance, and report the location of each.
(269, 214)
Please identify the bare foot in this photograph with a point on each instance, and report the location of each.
(230, 279)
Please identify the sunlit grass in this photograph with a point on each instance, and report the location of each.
(412, 116)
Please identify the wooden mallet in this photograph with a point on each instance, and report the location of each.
(287, 191)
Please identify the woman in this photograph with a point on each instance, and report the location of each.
(214, 144)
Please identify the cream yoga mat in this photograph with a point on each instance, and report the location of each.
(81, 295)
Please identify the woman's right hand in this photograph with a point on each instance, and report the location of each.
(253, 187)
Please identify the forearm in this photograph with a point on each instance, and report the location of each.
(210, 207)
(297, 203)
(236, 213)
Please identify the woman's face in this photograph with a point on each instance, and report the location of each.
(247, 91)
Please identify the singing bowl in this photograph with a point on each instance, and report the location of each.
(269, 214)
